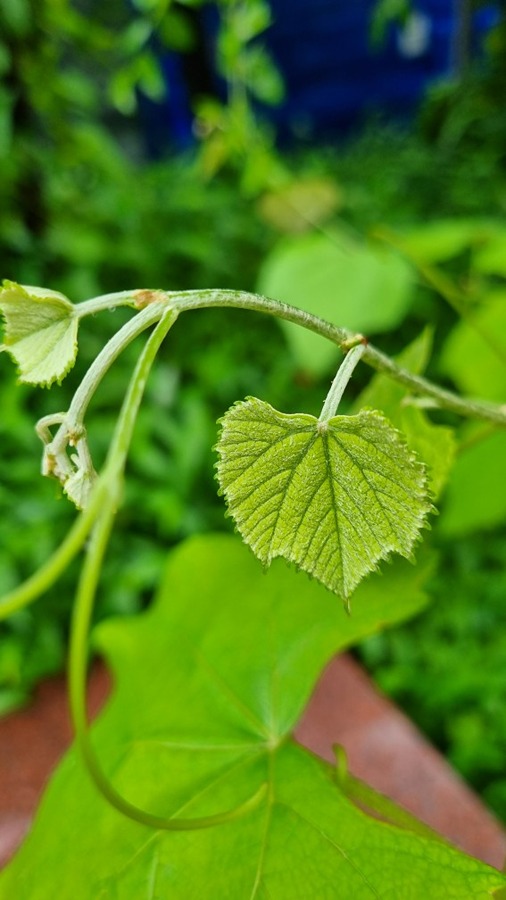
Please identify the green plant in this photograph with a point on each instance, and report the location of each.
(334, 494)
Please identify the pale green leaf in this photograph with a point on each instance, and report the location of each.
(386, 393)
(443, 239)
(364, 288)
(333, 497)
(475, 497)
(434, 444)
(491, 258)
(475, 353)
(297, 207)
(209, 685)
(40, 332)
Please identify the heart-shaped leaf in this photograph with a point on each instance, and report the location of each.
(208, 686)
(333, 497)
(40, 332)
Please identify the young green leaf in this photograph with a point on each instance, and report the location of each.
(40, 332)
(333, 497)
(238, 655)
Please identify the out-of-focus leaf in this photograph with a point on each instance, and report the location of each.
(434, 444)
(476, 492)
(354, 285)
(491, 258)
(442, 240)
(16, 16)
(262, 77)
(475, 357)
(301, 205)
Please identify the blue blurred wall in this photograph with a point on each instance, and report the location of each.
(335, 77)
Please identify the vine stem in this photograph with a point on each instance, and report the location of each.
(112, 480)
(186, 301)
(105, 301)
(342, 337)
(101, 364)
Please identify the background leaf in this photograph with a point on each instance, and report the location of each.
(434, 444)
(333, 497)
(443, 239)
(209, 684)
(476, 494)
(361, 287)
(477, 368)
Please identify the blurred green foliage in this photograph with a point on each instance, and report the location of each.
(84, 214)
(447, 667)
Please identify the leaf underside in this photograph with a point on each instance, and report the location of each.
(333, 498)
(209, 685)
(40, 332)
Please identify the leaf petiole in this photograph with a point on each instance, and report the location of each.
(338, 386)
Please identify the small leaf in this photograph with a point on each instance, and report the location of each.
(40, 332)
(333, 497)
(79, 487)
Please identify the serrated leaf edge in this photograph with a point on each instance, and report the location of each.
(413, 458)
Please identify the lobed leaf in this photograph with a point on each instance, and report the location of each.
(209, 684)
(40, 332)
(333, 497)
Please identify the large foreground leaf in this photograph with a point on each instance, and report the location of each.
(209, 686)
(333, 497)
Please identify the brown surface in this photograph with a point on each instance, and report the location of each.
(382, 747)
(32, 741)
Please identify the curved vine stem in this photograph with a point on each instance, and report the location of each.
(342, 337)
(86, 592)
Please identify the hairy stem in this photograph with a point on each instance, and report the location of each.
(189, 300)
(105, 301)
(102, 363)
